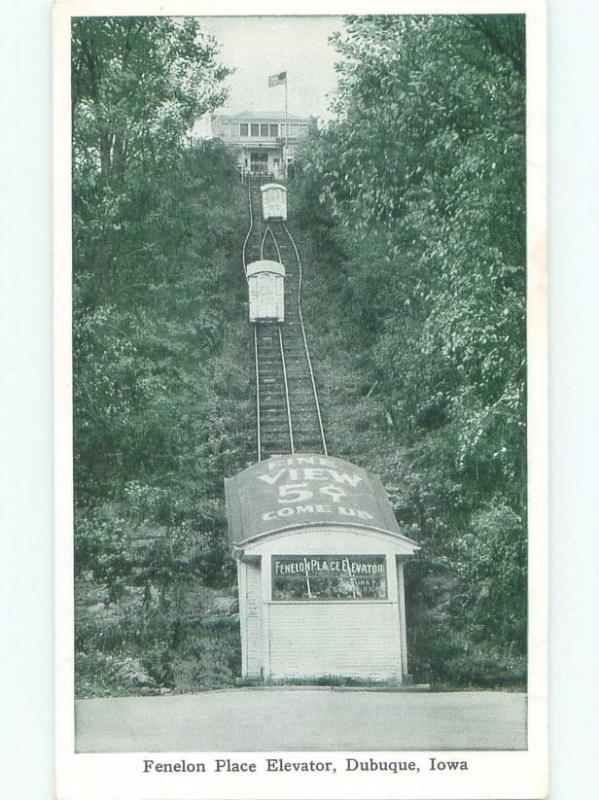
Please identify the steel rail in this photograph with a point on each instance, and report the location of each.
(266, 230)
(301, 319)
(289, 423)
(256, 359)
(274, 241)
(249, 233)
(258, 431)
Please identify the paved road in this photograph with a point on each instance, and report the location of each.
(304, 719)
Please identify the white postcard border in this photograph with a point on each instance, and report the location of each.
(517, 774)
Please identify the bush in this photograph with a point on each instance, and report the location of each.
(102, 675)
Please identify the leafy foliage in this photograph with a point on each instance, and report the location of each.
(415, 197)
(410, 207)
(160, 376)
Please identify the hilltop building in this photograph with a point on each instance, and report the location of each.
(266, 141)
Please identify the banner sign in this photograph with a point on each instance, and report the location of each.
(329, 577)
(303, 489)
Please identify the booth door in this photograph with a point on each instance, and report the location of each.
(342, 639)
(333, 615)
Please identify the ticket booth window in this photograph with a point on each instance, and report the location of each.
(329, 577)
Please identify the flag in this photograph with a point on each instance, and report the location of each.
(277, 80)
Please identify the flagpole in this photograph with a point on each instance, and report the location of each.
(286, 128)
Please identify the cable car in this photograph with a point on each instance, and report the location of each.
(266, 284)
(274, 202)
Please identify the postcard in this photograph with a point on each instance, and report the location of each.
(301, 400)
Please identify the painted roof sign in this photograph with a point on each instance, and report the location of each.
(299, 490)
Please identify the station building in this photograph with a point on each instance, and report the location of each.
(266, 142)
(320, 560)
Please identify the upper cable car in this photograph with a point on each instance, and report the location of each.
(274, 202)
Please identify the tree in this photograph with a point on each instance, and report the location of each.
(138, 84)
(157, 223)
(417, 191)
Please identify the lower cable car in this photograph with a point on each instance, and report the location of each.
(266, 284)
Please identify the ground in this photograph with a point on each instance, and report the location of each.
(303, 719)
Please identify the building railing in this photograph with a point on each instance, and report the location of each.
(254, 173)
(256, 141)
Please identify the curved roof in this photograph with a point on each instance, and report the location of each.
(266, 186)
(305, 490)
(260, 267)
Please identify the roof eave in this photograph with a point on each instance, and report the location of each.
(356, 525)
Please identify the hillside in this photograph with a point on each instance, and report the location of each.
(414, 301)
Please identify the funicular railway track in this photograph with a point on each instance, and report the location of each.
(288, 418)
